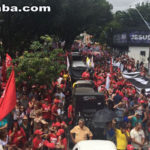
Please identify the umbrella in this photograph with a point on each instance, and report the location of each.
(103, 116)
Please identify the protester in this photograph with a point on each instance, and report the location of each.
(122, 137)
(17, 136)
(86, 75)
(81, 132)
(138, 137)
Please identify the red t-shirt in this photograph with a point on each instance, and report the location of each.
(85, 75)
(133, 91)
(70, 110)
(49, 98)
(54, 110)
(46, 115)
(99, 82)
(64, 142)
(49, 145)
(36, 143)
(18, 134)
(53, 138)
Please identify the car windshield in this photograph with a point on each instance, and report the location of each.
(76, 58)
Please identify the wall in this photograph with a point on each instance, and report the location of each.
(135, 52)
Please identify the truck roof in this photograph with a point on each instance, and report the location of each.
(95, 145)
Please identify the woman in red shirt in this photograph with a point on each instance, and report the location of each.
(70, 115)
(37, 141)
(62, 140)
(46, 110)
(17, 136)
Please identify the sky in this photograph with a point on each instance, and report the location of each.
(124, 4)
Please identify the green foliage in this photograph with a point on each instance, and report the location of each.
(124, 21)
(39, 67)
(46, 45)
(67, 19)
(47, 42)
(35, 45)
(130, 19)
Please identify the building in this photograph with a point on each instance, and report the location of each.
(135, 43)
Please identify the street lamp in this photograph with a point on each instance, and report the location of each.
(147, 25)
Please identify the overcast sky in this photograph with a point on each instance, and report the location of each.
(124, 4)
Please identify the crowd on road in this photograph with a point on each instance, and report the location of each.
(43, 116)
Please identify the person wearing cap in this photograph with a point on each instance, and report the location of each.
(60, 123)
(62, 140)
(136, 118)
(81, 132)
(137, 137)
(46, 108)
(54, 109)
(53, 135)
(37, 142)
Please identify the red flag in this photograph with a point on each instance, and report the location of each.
(8, 98)
(4, 73)
(8, 61)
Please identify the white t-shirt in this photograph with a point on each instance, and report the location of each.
(59, 80)
(137, 135)
(1, 147)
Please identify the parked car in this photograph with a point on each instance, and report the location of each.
(95, 145)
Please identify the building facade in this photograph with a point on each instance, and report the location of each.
(137, 44)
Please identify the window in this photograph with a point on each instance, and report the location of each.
(142, 53)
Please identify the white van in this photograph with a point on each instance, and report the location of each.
(95, 145)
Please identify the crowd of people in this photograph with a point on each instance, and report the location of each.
(130, 128)
(42, 116)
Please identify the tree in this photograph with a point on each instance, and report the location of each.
(67, 19)
(130, 19)
(124, 21)
(39, 67)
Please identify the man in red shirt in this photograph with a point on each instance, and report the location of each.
(86, 75)
(46, 107)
